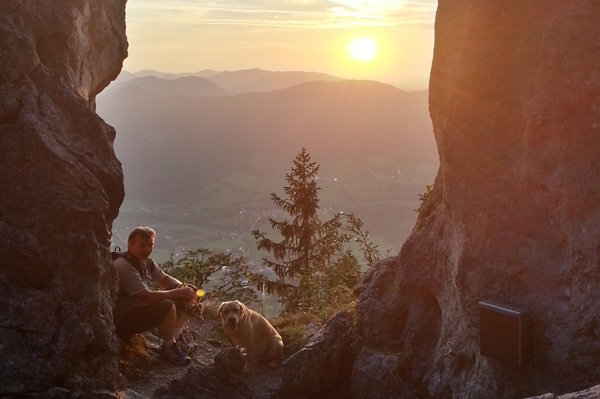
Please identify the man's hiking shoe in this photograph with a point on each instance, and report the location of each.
(185, 346)
(174, 355)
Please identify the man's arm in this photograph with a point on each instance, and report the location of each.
(169, 282)
(172, 288)
(183, 292)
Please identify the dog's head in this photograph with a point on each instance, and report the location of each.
(231, 313)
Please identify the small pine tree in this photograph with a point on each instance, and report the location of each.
(427, 204)
(307, 244)
(310, 262)
(229, 275)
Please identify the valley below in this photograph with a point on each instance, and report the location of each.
(386, 203)
(202, 154)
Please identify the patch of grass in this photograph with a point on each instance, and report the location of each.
(293, 331)
(293, 326)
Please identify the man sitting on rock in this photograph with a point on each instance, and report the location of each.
(140, 307)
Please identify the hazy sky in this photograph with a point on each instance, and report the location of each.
(280, 35)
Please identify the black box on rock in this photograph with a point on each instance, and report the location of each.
(505, 333)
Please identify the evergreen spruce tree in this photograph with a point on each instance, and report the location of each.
(314, 264)
(307, 246)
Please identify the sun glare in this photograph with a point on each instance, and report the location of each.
(362, 49)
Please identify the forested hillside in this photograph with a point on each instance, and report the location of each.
(207, 156)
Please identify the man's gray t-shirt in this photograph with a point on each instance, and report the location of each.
(131, 283)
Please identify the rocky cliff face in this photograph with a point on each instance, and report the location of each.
(61, 189)
(514, 216)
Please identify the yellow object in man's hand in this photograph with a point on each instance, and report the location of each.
(200, 293)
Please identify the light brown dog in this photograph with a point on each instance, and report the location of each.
(249, 330)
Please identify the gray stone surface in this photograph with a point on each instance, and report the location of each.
(322, 367)
(61, 188)
(514, 216)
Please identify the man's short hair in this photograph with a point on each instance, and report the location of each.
(144, 232)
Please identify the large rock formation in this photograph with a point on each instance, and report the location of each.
(322, 368)
(514, 215)
(61, 189)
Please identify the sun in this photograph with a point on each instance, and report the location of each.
(362, 49)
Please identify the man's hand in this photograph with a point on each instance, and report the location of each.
(192, 286)
(186, 292)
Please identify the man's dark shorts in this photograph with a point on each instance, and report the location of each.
(144, 318)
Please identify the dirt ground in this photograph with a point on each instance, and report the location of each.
(144, 370)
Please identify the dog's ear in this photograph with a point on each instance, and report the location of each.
(242, 307)
(221, 308)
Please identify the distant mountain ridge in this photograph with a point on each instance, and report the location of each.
(200, 162)
(172, 146)
(181, 86)
(233, 82)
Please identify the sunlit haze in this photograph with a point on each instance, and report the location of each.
(285, 35)
(363, 49)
